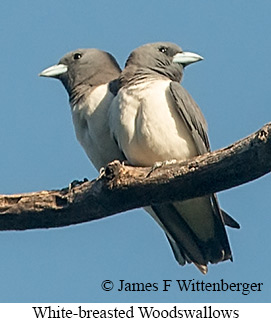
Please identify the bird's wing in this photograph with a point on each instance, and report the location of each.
(197, 125)
(191, 115)
(195, 228)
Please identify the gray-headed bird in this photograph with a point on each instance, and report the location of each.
(89, 76)
(154, 119)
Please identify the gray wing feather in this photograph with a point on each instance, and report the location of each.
(196, 123)
(192, 116)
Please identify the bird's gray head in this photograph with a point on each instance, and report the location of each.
(91, 67)
(164, 58)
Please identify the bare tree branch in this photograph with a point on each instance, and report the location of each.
(121, 187)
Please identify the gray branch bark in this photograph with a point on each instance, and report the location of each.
(122, 187)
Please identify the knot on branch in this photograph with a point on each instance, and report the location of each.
(112, 170)
(263, 135)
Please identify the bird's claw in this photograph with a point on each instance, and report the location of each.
(160, 164)
(101, 173)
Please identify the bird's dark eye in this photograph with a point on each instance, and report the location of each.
(77, 56)
(163, 49)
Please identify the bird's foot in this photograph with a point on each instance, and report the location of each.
(117, 162)
(125, 163)
(161, 164)
(101, 173)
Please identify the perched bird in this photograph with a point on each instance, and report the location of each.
(154, 119)
(90, 78)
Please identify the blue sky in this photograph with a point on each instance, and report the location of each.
(39, 149)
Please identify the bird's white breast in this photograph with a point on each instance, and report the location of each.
(147, 125)
(90, 119)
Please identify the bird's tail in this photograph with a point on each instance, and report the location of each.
(195, 230)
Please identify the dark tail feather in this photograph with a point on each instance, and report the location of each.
(229, 221)
(180, 232)
(181, 258)
(185, 240)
